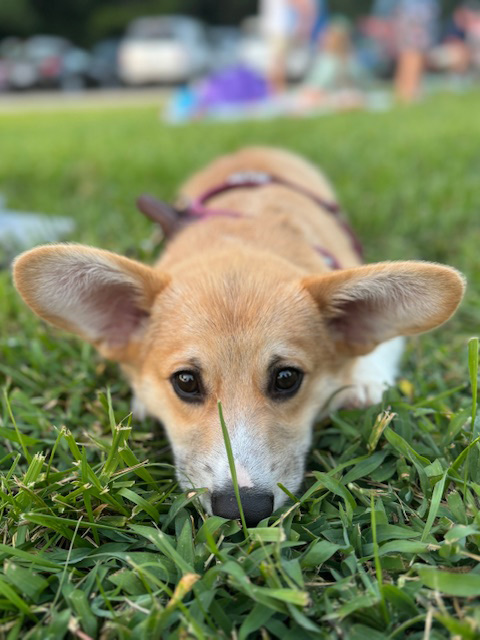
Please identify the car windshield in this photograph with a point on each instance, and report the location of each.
(163, 29)
(44, 48)
(154, 32)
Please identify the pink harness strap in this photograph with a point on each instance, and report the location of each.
(250, 179)
(329, 258)
(254, 179)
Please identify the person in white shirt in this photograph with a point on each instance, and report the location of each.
(274, 21)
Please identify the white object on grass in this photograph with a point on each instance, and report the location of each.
(21, 230)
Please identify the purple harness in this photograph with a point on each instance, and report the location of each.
(253, 179)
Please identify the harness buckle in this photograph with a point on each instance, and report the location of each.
(248, 178)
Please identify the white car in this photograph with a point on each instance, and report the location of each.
(166, 49)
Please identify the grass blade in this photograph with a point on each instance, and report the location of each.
(233, 472)
(19, 435)
(378, 564)
(473, 371)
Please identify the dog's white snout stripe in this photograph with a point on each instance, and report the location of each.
(243, 477)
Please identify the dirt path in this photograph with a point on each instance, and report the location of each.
(95, 98)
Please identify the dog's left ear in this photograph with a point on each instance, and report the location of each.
(364, 306)
(101, 296)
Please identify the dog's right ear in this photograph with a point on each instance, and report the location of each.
(103, 297)
(370, 304)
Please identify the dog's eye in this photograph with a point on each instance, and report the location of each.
(187, 386)
(285, 382)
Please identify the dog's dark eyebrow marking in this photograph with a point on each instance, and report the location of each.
(287, 360)
(191, 363)
(195, 364)
(276, 360)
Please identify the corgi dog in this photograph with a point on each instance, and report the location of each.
(260, 301)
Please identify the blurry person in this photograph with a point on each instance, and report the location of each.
(230, 93)
(287, 27)
(275, 19)
(303, 15)
(336, 77)
(377, 42)
(453, 54)
(415, 27)
(319, 23)
(307, 23)
(468, 18)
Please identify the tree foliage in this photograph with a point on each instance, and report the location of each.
(85, 21)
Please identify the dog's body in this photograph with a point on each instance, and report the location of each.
(278, 222)
(246, 309)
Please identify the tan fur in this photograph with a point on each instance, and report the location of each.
(228, 296)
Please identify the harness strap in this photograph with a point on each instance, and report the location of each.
(250, 179)
(254, 179)
(329, 258)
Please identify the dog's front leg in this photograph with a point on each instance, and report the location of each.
(373, 374)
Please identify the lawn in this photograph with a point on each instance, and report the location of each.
(97, 541)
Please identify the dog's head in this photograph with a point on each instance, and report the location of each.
(252, 332)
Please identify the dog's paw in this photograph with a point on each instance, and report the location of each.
(363, 394)
(372, 375)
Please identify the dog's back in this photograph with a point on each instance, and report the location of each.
(282, 163)
(275, 218)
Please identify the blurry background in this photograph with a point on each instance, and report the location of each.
(327, 45)
(186, 60)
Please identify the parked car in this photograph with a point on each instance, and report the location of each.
(166, 49)
(46, 61)
(8, 48)
(3, 75)
(103, 67)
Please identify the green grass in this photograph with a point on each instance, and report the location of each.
(384, 538)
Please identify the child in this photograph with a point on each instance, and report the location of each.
(336, 78)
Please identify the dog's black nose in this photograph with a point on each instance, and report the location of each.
(256, 505)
